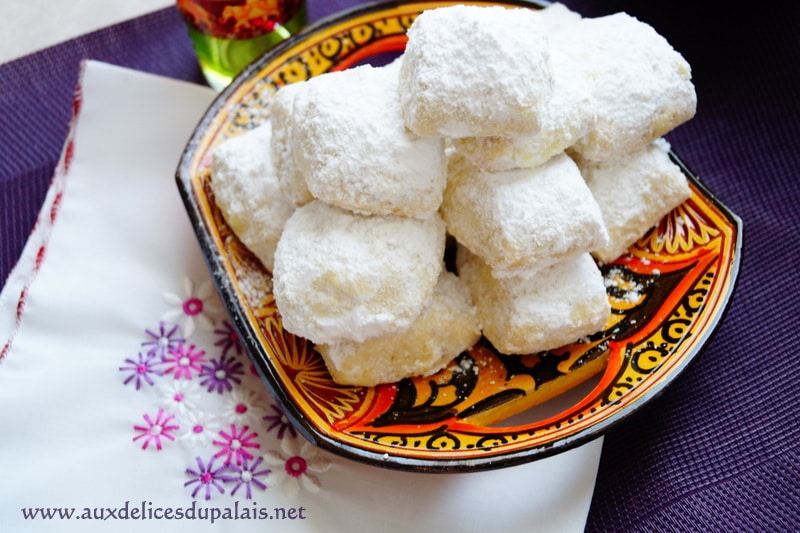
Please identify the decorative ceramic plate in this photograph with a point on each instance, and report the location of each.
(668, 294)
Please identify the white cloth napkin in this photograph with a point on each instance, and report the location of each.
(123, 392)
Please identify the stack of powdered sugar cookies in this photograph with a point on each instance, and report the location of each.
(533, 139)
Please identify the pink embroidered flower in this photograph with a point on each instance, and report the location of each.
(141, 369)
(178, 395)
(163, 340)
(206, 477)
(234, 444)
(198, 428)
(155, 430)
(221, 374)
(243, 406)
(193, 306)
(228, 339)
(247, 475)
(277, 419)
(182, 361)
(296, 466)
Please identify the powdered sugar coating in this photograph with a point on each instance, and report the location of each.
(527, 314)
(247, 192)
(634, 193)
(557, 16)
(564, 119)
(522, 219)
(342, 276)
(291, 180)
(447, 326)
(475, 71)
(640, 87)
(355, 152)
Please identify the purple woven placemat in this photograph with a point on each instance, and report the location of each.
(717, 451)
(720, 450)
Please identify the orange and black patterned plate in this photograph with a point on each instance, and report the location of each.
(668, 294)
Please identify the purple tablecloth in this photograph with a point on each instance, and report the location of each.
(717, 451)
